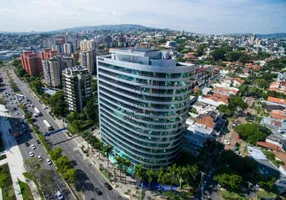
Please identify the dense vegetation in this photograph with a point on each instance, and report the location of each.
(252, 132)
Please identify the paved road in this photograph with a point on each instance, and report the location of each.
(18, 125)
(88, 177)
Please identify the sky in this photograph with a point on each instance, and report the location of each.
(199, 16)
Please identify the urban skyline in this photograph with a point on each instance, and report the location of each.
(202, 16)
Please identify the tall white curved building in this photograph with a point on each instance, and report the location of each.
(143, 104)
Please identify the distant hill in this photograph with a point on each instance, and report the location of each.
(120, 27)
(270, 35)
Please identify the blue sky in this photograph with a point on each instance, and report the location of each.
(201, 16)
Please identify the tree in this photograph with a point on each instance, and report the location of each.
(58, 104)
(107, 149)
(192, 172)
(150, 175)
(90, 110)
(162, 177)
(181, 173)
(252, 132)
(70, 175)
(119, 161)
(232, 181)
(32, 165)
(225, 109)
(218, 54)
(126, 164)
(261, 83)
(138, 172)
(172, 170)
(56, 153)
(63, 164)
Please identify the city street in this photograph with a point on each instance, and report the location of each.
(18, 125)
(88, 177)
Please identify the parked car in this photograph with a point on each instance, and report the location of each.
(108, 186)
(27, 144)
(59, 195)
(10, 131)
(98, 191)
(40, 157)
(49, 162)
(38, 142)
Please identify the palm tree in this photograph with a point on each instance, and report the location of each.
(161, 177)
(119, 162)
(150, 173)
(138, 172)
(192, 172)
(172, 170)
(181, 175)
(107, 150)
(114, 169)
(126, 163)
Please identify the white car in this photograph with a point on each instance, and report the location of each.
(31, 154)
(33, 146)
(48, 161)
(40, 157)
(59, 195)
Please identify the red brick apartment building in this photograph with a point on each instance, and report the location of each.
(31, 63)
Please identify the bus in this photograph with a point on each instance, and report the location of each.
(49, 127)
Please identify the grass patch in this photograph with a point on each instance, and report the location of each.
(226, 195)
(264, 194)
(2, 157)
(32, 178)
(25, 190)
(104, 172)
(6, 183)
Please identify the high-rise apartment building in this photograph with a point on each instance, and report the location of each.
(68, 48)
(77, 87)
(52, 71)
(47, 53)
(87, 45)
(31, 63)
(87, 59)
(143, 104)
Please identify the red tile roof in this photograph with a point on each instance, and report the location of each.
(271, 146)
(206, 120)
(277, 100)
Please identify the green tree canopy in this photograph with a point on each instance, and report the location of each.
(252, 132)
(58, 104)
(56, 153)
(63, 164)
(232, 181)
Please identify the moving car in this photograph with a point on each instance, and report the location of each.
(33, 146)
(27, 144)
(108, 186)
(31, 154)
(49, 162)
(59, 195)
(98, 191)
(38, 142)
(40, 157)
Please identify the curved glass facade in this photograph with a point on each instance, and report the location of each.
(143, 109)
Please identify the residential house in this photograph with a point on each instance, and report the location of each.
(276, 101)
(214, 99)
(278, 114)
(225, 91)
(278, 86)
